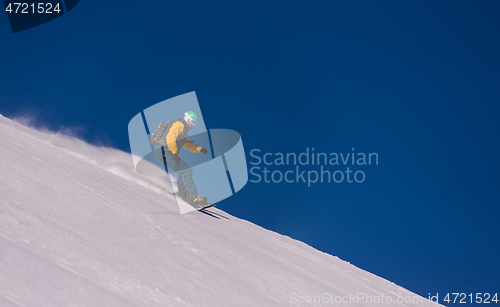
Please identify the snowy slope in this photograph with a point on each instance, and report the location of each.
(79, 228)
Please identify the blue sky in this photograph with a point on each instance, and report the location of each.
(418, 83)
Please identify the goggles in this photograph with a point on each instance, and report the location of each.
(193, 122)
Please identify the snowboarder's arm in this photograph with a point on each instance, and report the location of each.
(172, 135)
(191, 146)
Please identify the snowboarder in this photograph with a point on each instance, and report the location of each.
(176, 136)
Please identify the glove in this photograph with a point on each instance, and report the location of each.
(204, 151)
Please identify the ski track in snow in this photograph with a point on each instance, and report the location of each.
(78, 227)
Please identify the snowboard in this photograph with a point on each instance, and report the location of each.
(205, 206)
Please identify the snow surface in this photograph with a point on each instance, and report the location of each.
(78, 227)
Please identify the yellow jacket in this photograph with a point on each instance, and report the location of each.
(177, 138)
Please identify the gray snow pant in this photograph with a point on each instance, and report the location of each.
(184, 172)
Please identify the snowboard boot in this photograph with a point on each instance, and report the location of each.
(198, 202)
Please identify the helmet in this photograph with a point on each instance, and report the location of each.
(191, 118)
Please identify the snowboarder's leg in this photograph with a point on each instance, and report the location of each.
(185, 174)
(185, 179)
(198, 202)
